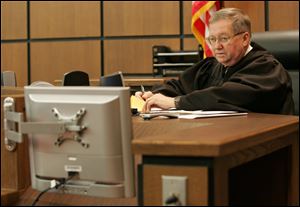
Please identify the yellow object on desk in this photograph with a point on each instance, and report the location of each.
(136, 103)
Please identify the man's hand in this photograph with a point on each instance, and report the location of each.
(158, 100)
(143, 96)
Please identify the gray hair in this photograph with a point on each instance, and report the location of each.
(240, 21)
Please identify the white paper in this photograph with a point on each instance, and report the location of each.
(182, 114)
(195, 116)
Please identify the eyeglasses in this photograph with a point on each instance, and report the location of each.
(222, 39)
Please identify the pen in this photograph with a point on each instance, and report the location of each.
(142, 89)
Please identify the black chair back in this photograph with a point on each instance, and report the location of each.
(284, 45)
(76, 78)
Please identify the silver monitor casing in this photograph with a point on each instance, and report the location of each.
(106, 167)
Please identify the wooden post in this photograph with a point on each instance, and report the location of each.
(15, 171)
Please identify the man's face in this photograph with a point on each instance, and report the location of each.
(228, 48)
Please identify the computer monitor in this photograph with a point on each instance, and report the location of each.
(115, 79)
(97, 146)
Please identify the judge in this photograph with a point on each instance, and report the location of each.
(241, 76)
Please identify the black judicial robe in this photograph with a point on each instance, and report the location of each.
(257, 83)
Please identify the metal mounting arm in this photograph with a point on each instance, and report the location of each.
(67, 128)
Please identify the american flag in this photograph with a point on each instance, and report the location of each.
(201, 12)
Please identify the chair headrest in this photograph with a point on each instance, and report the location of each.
(284, 45)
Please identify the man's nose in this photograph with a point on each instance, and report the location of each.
(218, 45)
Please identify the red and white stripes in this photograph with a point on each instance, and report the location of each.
(201, 12)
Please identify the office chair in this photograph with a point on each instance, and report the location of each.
(8, 78)
(284, 45)
(115, 79)
(76, 78)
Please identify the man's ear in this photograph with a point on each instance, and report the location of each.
(246, 39)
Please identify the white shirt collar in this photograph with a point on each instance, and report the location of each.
(248, 49)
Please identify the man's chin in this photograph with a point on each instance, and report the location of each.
(221, 59)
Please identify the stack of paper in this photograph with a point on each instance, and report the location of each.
(136, 103)
(181, 114)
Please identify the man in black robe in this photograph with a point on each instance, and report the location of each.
(241, 76)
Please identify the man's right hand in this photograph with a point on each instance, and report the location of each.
(143, 96)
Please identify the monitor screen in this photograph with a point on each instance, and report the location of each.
(96, 147)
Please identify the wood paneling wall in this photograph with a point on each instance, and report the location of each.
(125, 55)
(104, 37)
(14, 58)
(13, 20)
(49, 19)
(52, 60)
(141, 18)
(255, 10)
(284, 15)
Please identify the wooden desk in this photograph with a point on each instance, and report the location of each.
(249, 160)
(8, 196)
(218, 155)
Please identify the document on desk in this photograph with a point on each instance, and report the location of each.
(139, 103)
(182, 114)
(136, 103)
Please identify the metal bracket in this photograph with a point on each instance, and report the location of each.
(8, 105)
(72, 129)
(67, 128)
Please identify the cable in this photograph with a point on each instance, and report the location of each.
(58, 183)
(38, 197)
